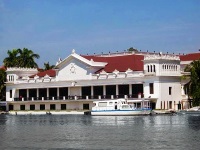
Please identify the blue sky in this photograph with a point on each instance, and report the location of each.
(52, 28)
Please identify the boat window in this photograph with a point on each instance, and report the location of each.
(110, 103)
(125, 106)
(102, 104)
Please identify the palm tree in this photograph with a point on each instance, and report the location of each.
(26, 58)
(12, 59)
(194, 84)
(47, 66)
(21, 58)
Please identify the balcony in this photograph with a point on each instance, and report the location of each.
(85, 97)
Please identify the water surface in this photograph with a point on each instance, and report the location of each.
(176, 132)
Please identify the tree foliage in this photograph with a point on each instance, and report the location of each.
(131, 49)
(47, 66)
(2, 84)
(194, 84)
(26, 58)
(12, 59)
(21, 58)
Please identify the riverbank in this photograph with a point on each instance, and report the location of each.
(73, 112)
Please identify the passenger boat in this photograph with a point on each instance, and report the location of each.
(118, 107)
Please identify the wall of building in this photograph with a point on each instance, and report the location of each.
(73, 70)
(165, 96)
(73, 105)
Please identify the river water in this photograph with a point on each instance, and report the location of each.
(74, 132)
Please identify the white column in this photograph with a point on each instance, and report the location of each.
(104, 90)
(69, 91)
(27, 91)
(37, 92)
(80, 92)
(47, 92)
(58, 92)
(130, 89)
(117, 89)
(92, 91)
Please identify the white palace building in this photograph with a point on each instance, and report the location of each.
(78, 80)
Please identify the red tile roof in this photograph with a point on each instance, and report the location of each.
(120, 63)
(51, 73)
(2, 68)
(190, 57)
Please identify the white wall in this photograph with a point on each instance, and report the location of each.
(74, 70)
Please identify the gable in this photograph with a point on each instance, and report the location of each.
(75, 69)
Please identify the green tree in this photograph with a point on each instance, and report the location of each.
(131, 49)
(12, 59)
(2, 84)
(47, 66)
(194, 84)
(21, 58)
(27, 58)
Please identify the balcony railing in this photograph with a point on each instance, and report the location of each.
(85, 97)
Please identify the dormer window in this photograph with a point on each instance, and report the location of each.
(10, 78)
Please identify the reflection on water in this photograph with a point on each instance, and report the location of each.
(99, 132)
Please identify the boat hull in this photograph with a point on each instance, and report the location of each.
(189, 112)
(120, 112)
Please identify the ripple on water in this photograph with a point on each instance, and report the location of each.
(99, 132)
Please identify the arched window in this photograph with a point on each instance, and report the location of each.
(148, 68)
(154, 68)
(151, 68)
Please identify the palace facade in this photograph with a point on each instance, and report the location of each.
(78, 80)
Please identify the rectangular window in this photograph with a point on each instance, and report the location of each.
(102, 104)
(22, 107)
(32, 107)
(170, 90)
(86, 106)
(42, 106)
(52, 107)
(151, 91)
(10, 93)
(170, 104)
(63, 106)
